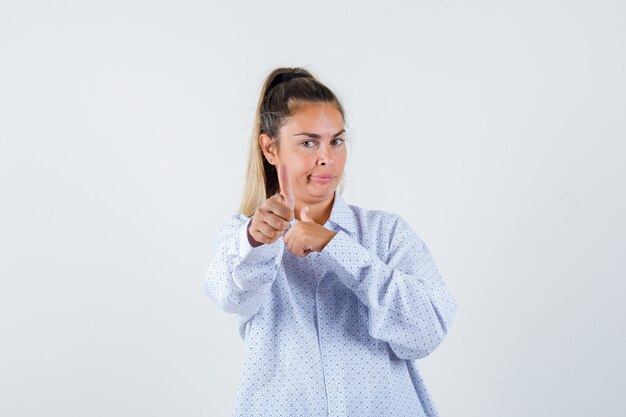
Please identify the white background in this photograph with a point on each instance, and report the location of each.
(496, 129)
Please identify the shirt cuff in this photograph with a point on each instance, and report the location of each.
(260, 254)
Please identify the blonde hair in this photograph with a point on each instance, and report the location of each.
(283, 89)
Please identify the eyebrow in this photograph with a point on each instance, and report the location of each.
(316, 136)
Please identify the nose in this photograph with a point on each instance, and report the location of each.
(324, 157)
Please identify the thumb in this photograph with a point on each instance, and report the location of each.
(285, 186)
(304, 214)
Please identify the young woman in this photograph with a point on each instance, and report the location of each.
(335, 302)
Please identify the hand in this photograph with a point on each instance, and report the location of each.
(306, 236)
(272, 218)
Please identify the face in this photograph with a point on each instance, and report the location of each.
(312, 146)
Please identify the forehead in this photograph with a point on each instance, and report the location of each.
(321, 118)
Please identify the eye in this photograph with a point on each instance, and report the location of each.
(339, 141)
(308, 142)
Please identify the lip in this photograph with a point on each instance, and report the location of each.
(322, 179)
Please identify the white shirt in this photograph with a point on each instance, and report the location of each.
(334, 333)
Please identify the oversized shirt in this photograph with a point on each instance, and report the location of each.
(337, 332)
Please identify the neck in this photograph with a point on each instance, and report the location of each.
(319, 211)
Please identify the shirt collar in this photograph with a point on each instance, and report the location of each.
(342, 215)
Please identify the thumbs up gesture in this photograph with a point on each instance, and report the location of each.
(307, 236)
(272, 218)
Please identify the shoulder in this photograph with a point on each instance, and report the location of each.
(375, 218)
(380, 226)
(235, 221)
(229, 228)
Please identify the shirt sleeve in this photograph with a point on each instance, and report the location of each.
(409, 305)
(240, 276)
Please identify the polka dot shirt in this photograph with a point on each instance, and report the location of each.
(335, 333)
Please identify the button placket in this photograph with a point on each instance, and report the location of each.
(319, 314)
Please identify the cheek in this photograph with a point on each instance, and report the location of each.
(302, 168)
(341, 158)
(306, 163)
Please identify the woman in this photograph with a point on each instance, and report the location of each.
(334, 302)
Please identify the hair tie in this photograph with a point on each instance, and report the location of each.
(285, 76)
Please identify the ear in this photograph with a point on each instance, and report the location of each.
(268, 146)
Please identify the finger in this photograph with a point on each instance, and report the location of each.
(304, 248)
(277, 207)
(259, 236)
(277, 222)
(293, 244)
(303, 252)
(263, 230)
(268, 230)
(285, 185)
(293, 247)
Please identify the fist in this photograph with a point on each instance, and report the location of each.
(306, 236)
(272, 218)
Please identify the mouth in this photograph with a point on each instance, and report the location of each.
(321, 179)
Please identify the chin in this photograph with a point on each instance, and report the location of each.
(322, 194)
